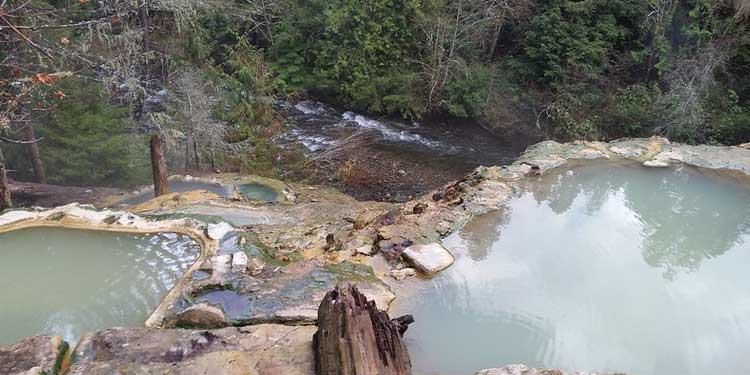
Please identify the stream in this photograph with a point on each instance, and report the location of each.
(409, 158)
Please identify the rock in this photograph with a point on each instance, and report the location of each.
(155, 103)
(221, 263)
(265, 349)
(365, 218)
(524, 370)
(655, 164)
(403, 273)
(419, 208)
(35, 355)
(365, 250)
(218, 231)
(239, 261)
(255, 266)
(201, 315)
(428, 259)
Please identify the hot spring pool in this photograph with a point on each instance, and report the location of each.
(601, 267)
(258, 192)
(180, 186)
(67, 282)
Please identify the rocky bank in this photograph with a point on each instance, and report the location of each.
(249, 304)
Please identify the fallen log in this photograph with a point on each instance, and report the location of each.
(355, 338)
(46, 195)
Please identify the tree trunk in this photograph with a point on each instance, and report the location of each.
(34, 155)
(197, 157)
(5, 201)
(159, 165)
(187, 153)
(143, 15)
(355, 338)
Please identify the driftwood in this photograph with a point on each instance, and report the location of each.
(159, 165)
(355, 338)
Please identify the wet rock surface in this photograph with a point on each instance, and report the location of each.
(38, 355)
(523, 370)
(264, 349)
(279, 294)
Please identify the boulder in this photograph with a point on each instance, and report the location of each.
(239, 261)
(201, 315)
(221, 263)
(35, 355)
(655, 164)
(428, 259)
(218, 231)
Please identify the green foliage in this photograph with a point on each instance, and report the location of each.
(576, 39)
(466, 95)
(731, 121)
(632, 112)
(87, 141)
(248, 86)
(355, 51)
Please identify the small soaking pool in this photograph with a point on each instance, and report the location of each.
(258, 192)
(180, 186)
(67, 282)
(608, 267)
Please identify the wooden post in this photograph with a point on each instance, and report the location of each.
(355, 338)
(5, 201)
(32, 147)
(159, 165)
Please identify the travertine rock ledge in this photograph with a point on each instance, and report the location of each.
(38, 355)
(266, 349)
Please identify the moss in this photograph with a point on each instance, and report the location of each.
(111, 219)
(62, 351)
(56, 216)
(347, 271)
(254, 248)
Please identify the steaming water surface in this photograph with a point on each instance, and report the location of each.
(68, 282)
(609, 267)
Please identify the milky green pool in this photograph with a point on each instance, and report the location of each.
(605, 267)
(66, 282)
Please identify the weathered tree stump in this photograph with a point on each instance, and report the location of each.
(159, 165)
(355, 338)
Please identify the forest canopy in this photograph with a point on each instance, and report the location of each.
(210, 73)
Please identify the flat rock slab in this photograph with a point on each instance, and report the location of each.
(428, 259)
(523, 370)
(33, 356)
(266, 349)
(278, 294)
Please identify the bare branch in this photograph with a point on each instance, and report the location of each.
(16, 142)
(24, 37)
